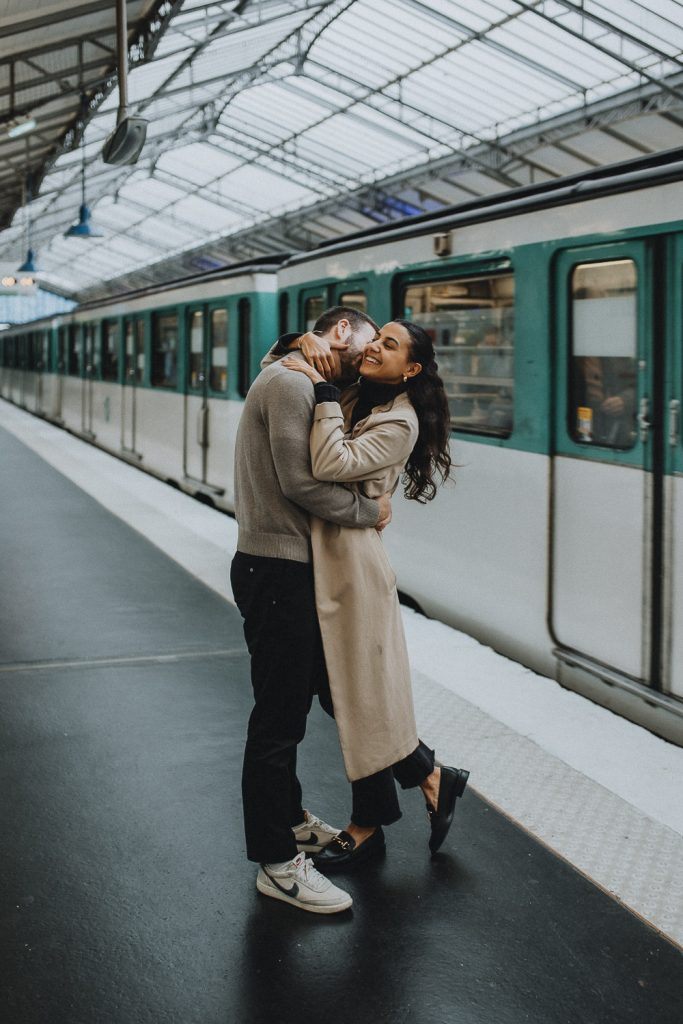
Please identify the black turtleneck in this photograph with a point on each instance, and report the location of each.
(372, 394)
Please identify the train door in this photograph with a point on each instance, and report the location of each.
(41, 349)
(88, 376)
(196, 398)
(313, 302)
(60, 369)
(353, 294)
(607, 481)
(133, 376)
(672, 562)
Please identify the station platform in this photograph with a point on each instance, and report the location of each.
(125, 893)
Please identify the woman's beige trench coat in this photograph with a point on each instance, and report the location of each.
(355, 587)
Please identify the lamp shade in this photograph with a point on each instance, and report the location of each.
(29, 264)
(84, 228)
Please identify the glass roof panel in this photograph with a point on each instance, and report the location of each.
(277, 105)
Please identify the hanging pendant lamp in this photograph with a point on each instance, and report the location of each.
(29, 264)
(84, 228)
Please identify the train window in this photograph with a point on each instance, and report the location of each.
(165, 351)
(91, 353)
(244, 335)
(313, 307)
(355, 300)
(471, 323)
(61, 349)
(135, 351)
(73, 351)
(110, 350)
(196, 364)
(45, 351)
(35, 344)
(30, 351)
(218, 371)
(602, 360)
(283, 309)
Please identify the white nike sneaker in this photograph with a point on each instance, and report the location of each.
(302, 885)
(313, 834)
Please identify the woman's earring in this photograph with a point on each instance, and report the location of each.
(405, 379)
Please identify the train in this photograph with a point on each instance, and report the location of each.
(556, 311)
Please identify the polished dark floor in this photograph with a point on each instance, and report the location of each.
(124, 894)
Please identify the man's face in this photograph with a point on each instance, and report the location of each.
(351, 357)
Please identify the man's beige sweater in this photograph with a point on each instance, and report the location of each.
(275, 489)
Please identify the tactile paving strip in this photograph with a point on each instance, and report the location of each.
(638, 860)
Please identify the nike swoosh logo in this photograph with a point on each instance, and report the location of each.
(312, 840)
(294, 891)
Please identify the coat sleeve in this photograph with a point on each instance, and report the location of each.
(288, 423)
(278, 350)
(337, 458)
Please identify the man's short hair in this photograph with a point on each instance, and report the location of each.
(327, 320)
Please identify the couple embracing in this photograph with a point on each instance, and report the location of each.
(317, 459)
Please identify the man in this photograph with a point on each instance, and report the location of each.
(272, 580)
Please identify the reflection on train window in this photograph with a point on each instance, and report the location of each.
(61, 349)
(91, 352)
(313, 307)
(244, 343)
(602, 361)
(355, 300)
(110, 350)
(73, 351)
(45, 351)
(135, 351)
(471, 323)
(37, 351)
(218, 370)
(165, 351)
(196, 352)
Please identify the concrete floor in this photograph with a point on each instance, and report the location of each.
(124, 893)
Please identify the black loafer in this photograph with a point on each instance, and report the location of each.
(451, 786)
(343, 852)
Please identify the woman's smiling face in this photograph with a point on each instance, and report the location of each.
(387, 358)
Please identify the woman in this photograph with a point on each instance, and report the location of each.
(393, 422)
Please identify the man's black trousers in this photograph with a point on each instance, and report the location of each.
(276, 599)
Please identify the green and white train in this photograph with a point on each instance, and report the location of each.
(557, 314)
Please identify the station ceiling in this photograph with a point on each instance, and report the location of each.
(277, 124)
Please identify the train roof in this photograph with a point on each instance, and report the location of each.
(630, 175)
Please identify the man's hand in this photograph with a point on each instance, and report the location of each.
(384, 502)
(317, 352)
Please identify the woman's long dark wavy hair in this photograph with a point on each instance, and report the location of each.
(430, 457)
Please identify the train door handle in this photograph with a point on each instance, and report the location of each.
(674, 413)
(203, 427)
(644, 422)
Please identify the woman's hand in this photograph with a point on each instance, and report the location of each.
(292, 363)
(317, 352)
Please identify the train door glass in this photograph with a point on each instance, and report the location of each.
(603, 550)
(41, 365)
(312, 305)
(90, 370)
(353, 296)
(60, 364)
(196, 412)
(133, 375)
(672, 562)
